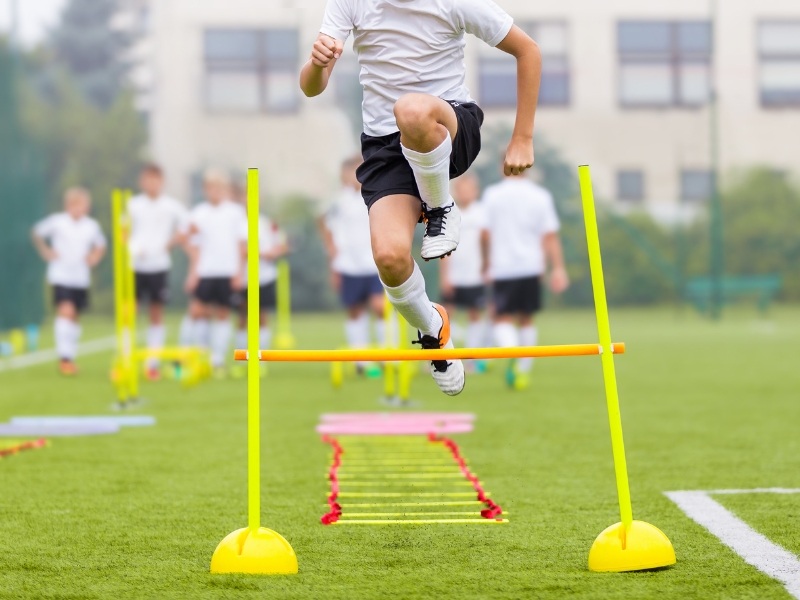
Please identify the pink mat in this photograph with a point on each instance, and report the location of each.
(395, 423)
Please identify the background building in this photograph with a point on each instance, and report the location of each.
(626, 88)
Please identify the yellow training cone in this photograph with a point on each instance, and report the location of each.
(643, 546)
(263, 552)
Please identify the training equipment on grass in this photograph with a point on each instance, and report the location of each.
(426, 476)
(194, 363)
(626, 546)
(57, 430)
(121, 421)
(395, 423)
(12, 447)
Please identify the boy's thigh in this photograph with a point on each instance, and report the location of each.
(521, 296)
(392, 221)
(214, 291)
(78, 298)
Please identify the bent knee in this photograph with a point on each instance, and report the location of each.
(412, 109)
(391, 260)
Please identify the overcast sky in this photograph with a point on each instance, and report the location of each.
(35, 18)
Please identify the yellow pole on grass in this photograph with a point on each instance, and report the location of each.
(253, 374)
(604, 331)
(130, 295)
(119, 290)
(628, 545)
(284, 340)
(390, 319)
(253, 549)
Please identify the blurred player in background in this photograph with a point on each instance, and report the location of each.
(215, 230)
(521, 241)
(354, 275)
(72, 243)
(158, 223)
(462, 275)
(272, 246)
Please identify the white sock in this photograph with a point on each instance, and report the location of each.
(264, 338)
(475, 334)
(506, 335)
(528, 336)
(379, 328)
(155, 341)
(432, 173)
(62, 330)
(186, 332)
(75, 338)
(201, 332)
(411, 300)
(240, 339)
(220, 339)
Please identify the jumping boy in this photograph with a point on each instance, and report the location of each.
(421, 127)
(72, 243)
(345, 231)
(520, 249)
(215, 267)
(158, 223)
(462, 276)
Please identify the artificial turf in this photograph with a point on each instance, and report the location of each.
(138, 514)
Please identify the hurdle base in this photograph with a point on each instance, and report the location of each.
(284, 341)
(646, 547)
(263, 552)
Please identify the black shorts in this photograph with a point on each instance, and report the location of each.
(79, 297)
(467, 297)
(517, 296)
(266, 298)
(214, 290)
(152, 287)
(385, 171)
(358, 289)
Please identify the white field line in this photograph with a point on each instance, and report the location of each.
(753, 547)
(45, 356)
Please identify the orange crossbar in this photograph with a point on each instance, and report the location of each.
(457, 353)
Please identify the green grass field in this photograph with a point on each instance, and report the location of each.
(138, 514)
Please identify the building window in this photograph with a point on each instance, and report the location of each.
(779, 58)
(664, 63)
(630, 185)
(251, 70)
(696, 185)
(498, 72)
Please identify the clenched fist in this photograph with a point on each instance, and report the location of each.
(326, 49)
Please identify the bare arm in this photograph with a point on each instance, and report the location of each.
(444, 277)
(519, 156)
(554, 254)
(95, 256)
(316, 72)
(194, 255)
(45, 251)
(327, 238)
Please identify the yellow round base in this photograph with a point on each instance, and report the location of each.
(264, 552)
(646, 547)
(284, 341)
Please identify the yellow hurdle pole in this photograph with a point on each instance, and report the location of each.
(130, 292)
(444, 354)
(119, 288)
(253, 374)
(607, 357)
(404, 368)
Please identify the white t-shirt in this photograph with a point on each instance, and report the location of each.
(154, 223)
(409, 46)
(72, 241)
(465, 263)
(519, 213)
(269, 236)
(348, 221)
(219, 231)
